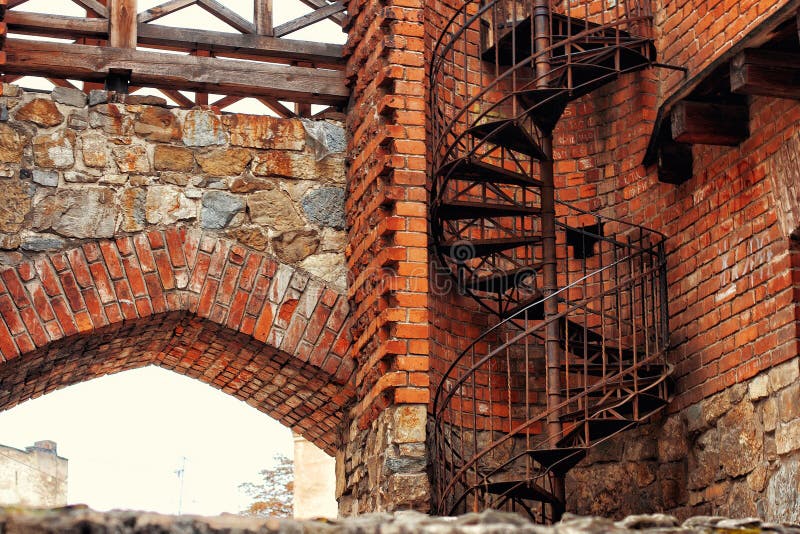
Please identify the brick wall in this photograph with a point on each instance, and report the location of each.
(731, 283)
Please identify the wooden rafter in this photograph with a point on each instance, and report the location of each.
(227, 16)
(60, 82)
(262, 16)
(178, 98)
(226, 101)
(277, 107)
(338, 18)
(14, 3)
(173, 71)
(162, 10)
(309, 19)
(94, 6)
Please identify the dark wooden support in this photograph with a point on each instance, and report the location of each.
(226, 101)
(766, 73)
(94, 6)
(172, 71)
(178, 98)
(675, 162)
(262, 17)
(705, 123)
(121, 34)
(277, 107)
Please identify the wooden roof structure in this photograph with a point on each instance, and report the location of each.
(257, 62)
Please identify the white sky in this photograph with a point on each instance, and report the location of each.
(125, 435)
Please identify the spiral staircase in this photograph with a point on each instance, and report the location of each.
(577, 354)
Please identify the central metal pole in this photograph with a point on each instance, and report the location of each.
(541, 24)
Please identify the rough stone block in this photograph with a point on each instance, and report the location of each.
(69, 96)
(408, 424)
(758, 387)
(45, 178)
(55, 151)
(225, 162)
(325, 207)
(787, 437)
(203, 128)
(40, 111)
(784, 374)
(219, 209)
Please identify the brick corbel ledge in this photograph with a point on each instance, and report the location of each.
(203, 306)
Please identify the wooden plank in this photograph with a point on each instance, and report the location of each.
(178, 98)
(258, 46)
(227, 16)
(172, 71)
(253, 47)
(122, 24)
(94, 6)
(162, 10)
(316, 4)
(262, 16)
(307, 20)
(277, 107)
(766, 73)
(705, 123)
(56, 25)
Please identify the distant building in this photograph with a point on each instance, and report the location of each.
(36, 476)
(314, 481)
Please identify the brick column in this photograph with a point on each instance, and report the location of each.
(383, 464)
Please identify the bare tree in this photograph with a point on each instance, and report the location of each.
(272, 496)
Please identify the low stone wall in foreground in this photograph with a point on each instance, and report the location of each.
(81, 520)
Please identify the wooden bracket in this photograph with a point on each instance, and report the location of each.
(766, 73)
(675, 163)
(706, 123)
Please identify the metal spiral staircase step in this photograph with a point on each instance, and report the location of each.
(503, 281)
(460, 209)
(520, 488)
(598, 429)
(467, 250)
(476, 170)
(510, 134)
(559, 460)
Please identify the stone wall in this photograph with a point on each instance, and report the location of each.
(736, 453)
(36, 476)
(74, 167)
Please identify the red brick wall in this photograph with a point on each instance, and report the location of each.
(200, 305)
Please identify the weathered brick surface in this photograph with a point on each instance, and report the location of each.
(198, 304)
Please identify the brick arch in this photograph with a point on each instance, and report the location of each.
(197, 304)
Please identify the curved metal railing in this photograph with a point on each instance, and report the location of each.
(495, 444)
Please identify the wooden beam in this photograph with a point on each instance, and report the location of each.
(316, 4)
(14, 3)
(56, 25)
(262, 17)
(766, 73)
(162, 10)
(172, 71)
(705, 123)
(94, 6)
(122, 24)
(178, 98)
(268, 48)
(227, 16)
(307, 20)
(252, 47)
